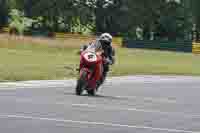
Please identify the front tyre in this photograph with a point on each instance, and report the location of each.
(81, 83)
(91, 92)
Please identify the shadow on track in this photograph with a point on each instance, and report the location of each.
(96, 96)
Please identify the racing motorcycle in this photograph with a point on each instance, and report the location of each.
(90, 71)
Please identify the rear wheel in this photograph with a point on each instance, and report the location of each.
(81, 83)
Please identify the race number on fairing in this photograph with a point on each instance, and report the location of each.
(91, 57)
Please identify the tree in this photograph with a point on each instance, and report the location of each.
(3, 12)
(194, 7)
(166, 18)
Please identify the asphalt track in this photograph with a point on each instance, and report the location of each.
(137, 104)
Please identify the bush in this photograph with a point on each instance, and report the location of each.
(18, 22)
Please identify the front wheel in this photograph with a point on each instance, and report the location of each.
(81, 83)
(92, 92)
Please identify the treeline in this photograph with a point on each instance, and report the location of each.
(139, 19)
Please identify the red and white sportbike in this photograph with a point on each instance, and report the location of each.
(91, 70)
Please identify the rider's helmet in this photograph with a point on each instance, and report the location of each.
(105, 39)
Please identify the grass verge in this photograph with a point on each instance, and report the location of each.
(25, 59)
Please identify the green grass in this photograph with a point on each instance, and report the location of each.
(24, 60)
(135, 61)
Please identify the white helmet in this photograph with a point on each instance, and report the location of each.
(106, 38)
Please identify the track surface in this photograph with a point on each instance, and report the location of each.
(138, 104)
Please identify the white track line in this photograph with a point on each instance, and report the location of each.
(137, 110)
(114, 108)
(162, 100)
(97, 123)
(125, 79)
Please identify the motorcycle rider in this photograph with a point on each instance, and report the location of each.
(103, 42)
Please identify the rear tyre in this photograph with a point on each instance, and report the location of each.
(81, 84)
